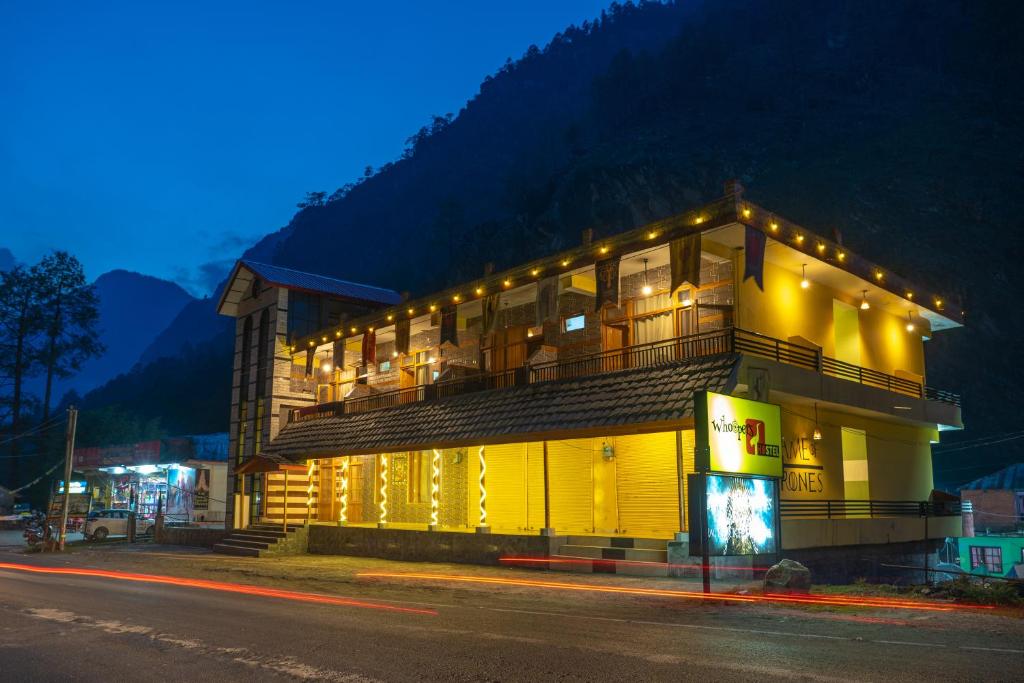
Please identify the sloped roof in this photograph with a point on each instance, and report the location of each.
(617, 401)
(1011, 478)
(238, 285)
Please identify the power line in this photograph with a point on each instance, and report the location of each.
(981, 444)
(49, 424)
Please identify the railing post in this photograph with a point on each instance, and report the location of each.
(828, 509)
(819, 362)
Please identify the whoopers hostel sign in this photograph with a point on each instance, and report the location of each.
(737, 435)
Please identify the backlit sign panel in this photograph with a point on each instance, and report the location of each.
(741, 515)
(737, 435)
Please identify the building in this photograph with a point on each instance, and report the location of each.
(993, 539)
(188, 474)
(555, 400)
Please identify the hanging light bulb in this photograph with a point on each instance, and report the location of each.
(817, 431)
(326, 367)
(910, 322)
(804, 282)
(864, 305)
(646, 289)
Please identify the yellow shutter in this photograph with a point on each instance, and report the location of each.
(646, 476)
(570, 470)
(505, 482)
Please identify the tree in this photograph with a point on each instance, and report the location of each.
(20, 327)
(69, 308)
(312, 199)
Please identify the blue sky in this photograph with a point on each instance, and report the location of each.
(164, 138)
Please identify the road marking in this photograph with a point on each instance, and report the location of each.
(736, 629)
(992, 649)
(288, 666)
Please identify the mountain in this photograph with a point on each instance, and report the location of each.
(895, 123)
(134, 308)
(7, 260)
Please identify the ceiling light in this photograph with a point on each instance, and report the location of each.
(910, 322)
(804, 282)
(864, 305)
(646, 289)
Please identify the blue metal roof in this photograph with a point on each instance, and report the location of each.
(296, 279)
(1011, 478)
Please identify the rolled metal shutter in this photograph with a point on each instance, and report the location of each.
(647, 489)
(571, 477)
(505, 482)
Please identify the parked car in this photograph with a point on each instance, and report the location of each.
(102, 523)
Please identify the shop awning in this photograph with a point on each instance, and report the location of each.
(644, 399)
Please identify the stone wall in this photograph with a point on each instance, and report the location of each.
(426, 546)
(199, 537)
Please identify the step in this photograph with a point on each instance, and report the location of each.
(247, 543)
(606, 553)
(618, 542)
(273, 527)
(226, 549)
(585, 565)
(269, 536)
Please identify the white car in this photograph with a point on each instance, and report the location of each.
(102, 523)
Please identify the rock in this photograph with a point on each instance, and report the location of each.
(788, 576)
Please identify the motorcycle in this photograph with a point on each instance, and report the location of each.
(37, 534)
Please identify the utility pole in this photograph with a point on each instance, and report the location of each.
(69, 452)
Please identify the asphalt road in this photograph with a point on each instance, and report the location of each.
(56, 627)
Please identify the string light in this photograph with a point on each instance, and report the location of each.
(483, 488)
(746, 212)
(343, 494)
(646, 289)
(456, 298)
(435, 488)
(479, 291)
(536, 271)
(390, 317)
(804, 282)
(799, 239)
(821, 247)
(353, 330)
(383, 489)
(841, 255)
(507, 282)
(603, 250)
(878, 275)
(565, 262)
(338, 333)
(411, 311)
(698, 220)
(651, 235)
(864, 305)
(774, 226)
(433, 307)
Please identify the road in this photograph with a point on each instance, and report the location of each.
(71, 627)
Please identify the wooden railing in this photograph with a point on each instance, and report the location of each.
(704, 345)
(840, 509)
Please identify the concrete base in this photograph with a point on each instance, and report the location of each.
(547, 531)
(427, 546)
(382, 525)
(483, 529)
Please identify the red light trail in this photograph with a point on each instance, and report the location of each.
(820, 600)
(205, 584)
(513, 560)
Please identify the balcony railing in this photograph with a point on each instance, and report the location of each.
(692, 347)
(842, 509)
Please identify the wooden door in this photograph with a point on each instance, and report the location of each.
(355, 492)
(508, 348)
(613, 338)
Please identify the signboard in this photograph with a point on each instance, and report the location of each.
(201, 500)
(737, 435)
(76, 487)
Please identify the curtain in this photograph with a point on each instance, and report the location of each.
(652, 328)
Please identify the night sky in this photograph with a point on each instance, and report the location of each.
(168, 139)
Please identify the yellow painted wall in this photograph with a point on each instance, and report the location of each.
(786, 310)
(899, 456)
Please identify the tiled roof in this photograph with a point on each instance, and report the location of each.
(611, 401)
(286, 277)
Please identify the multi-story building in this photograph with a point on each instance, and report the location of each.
(555, 399)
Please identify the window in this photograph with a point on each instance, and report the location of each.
(652, 319)
(383, 366)
(575, 323)
(990, 558)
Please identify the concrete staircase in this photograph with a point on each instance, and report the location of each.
(612, 555)
(261, 540)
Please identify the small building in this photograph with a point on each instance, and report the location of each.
(993, 539)
(556, 398)
(188, 473)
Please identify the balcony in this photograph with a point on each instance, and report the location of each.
(679, 349)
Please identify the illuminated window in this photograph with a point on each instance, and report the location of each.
(383, 366)
(419, 476)
(575, 323)
(989, 558)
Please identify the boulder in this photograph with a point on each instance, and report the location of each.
(788, 576)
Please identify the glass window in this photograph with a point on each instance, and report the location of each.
(990, 558)
(575, 323)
